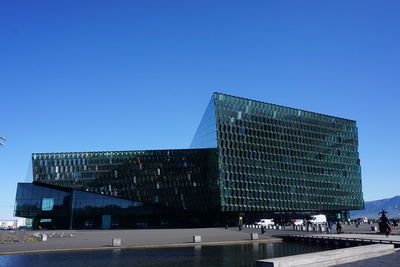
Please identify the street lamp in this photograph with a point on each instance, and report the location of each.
(2, 138)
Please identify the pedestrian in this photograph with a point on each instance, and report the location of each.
(384, 223)
(263, 229)
(329, 228)
(395, 224)
(338, 227)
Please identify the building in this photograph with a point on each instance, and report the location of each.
(247, 158)
(12, 224)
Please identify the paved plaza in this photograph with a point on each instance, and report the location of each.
(131, 238)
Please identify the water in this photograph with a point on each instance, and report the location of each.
(228, 255)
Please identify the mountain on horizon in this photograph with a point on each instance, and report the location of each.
(372, 208)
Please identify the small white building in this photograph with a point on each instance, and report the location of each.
(12, 224)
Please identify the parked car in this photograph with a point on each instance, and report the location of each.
(265, 222)
(362, 220)
(297, 222)
(317, 219)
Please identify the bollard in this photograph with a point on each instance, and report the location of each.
(116, 242)
(254, 236)
(21, 236)
(44, 237)
(321, 228)
(196, 238)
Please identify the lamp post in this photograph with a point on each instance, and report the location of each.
(2, 138)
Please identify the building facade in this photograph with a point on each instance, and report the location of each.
(247, 157)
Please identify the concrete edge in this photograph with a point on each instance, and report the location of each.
(326, 258)
(177, 245)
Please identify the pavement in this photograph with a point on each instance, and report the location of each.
(387, 260)
(144, 238)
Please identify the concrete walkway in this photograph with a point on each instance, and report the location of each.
(395, 239)
(375, 237)
(330, 257)
(392, 260)
(139, 237)
(347, 229)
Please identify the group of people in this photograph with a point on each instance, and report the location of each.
(385, 225)
(329, 227)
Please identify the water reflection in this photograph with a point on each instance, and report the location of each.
(228, 255)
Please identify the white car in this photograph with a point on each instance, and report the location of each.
(298, 222)
(265, 222)
(317, 219)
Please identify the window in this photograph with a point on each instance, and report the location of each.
(47, 203)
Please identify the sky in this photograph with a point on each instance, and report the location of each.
(126, 75)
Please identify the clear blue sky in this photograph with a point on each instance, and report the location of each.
(119, 75)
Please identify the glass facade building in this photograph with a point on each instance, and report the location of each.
(246, 157)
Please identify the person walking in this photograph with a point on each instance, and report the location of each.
(329, 228)
(263, 229)
(338, 227)
(385, 224)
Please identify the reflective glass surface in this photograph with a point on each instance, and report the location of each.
(173, 178)
(43, 203)
(284, 159)
(206, 134)
(53, 208)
